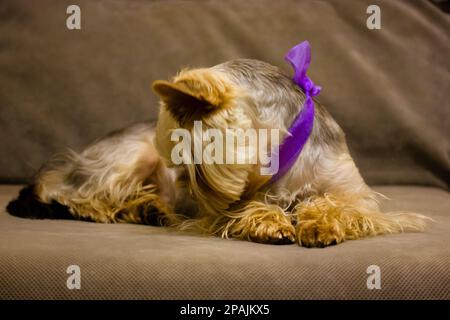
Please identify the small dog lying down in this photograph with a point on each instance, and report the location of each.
(317, 199)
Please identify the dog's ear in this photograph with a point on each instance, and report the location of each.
(195, 94)
(181, 103)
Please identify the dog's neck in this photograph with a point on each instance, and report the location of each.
(296, 139)
(300, 130)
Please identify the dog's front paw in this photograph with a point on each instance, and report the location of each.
(273, 232)
(317, 233)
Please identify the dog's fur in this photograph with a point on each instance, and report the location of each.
(128, 176)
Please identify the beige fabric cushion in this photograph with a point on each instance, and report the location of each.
(125, 261)
(387, 88)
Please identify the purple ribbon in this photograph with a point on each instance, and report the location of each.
(299, 57)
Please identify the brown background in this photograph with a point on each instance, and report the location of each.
(388, 89)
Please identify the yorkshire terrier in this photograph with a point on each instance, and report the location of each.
(130, 175)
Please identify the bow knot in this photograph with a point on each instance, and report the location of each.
(300, 130)
(300, 57)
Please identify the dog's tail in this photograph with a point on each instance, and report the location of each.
(27, 205)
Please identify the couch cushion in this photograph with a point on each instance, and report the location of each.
(387, 88)
(124, 261)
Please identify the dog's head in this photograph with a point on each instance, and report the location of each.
(232, 98)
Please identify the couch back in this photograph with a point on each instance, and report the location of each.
(387, 88)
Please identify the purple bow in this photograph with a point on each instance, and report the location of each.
(299, 57)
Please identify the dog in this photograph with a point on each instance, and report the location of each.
(130, 175)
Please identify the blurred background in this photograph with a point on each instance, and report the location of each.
(388, 88)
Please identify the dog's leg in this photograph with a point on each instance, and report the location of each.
(259, 222)
(346, 208)
(117, 179)
(330, 219)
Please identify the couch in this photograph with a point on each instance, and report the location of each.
(388, 88)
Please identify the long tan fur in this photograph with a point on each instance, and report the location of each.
(322, 200)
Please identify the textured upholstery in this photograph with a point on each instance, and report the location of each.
(387, 88)
(124, 261)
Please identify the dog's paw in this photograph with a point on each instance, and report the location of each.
(315, 233)
(273, 233)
